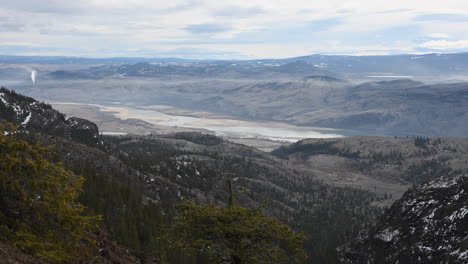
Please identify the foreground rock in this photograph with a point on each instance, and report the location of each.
(429, 224)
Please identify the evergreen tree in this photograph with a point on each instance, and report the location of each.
(233, 234)
(39, 213)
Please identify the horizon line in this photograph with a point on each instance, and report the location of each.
(193, 59)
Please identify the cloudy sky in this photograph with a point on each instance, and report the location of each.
(242, 29)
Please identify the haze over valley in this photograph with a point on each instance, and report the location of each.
(301, 94)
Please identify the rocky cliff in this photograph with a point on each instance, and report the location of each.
(429, 224)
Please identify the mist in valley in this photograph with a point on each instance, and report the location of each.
(297, 94)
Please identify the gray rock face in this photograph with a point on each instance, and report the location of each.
(429, 224)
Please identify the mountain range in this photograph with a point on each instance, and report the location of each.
(441, 64)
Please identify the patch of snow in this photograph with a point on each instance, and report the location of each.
(424, 248)
(387, 235)
(431, 215)
(2, 98)
(463, 255)
(443, 183)
(459, 214)
(26, 120)
(321, 65)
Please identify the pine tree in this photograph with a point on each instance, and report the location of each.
(39, 213)
(233, 234)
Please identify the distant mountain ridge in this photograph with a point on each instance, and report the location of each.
(405, 64)
(199, 70)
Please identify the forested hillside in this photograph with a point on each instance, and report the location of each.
(381, 164)
(178, 169)
(134, 182)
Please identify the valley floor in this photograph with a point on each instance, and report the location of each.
(265, 136)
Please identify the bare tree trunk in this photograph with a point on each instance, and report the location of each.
(232, 198)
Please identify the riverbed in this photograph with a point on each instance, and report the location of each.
(224, 127)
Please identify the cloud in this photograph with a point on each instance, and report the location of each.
(239, 12)
(101, 7)
(244, 28)
(442, 17)
(45, 6)
(181, 7)
(9, 24)
(439, 35)
(10, 27)
(323, 24)
(208, 28)
(445, 44)
(399, 10)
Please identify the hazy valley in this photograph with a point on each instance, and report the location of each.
(308, 91)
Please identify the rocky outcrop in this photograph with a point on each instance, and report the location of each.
(429, 224)
(26, 112)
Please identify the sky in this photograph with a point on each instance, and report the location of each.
(242, 29)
